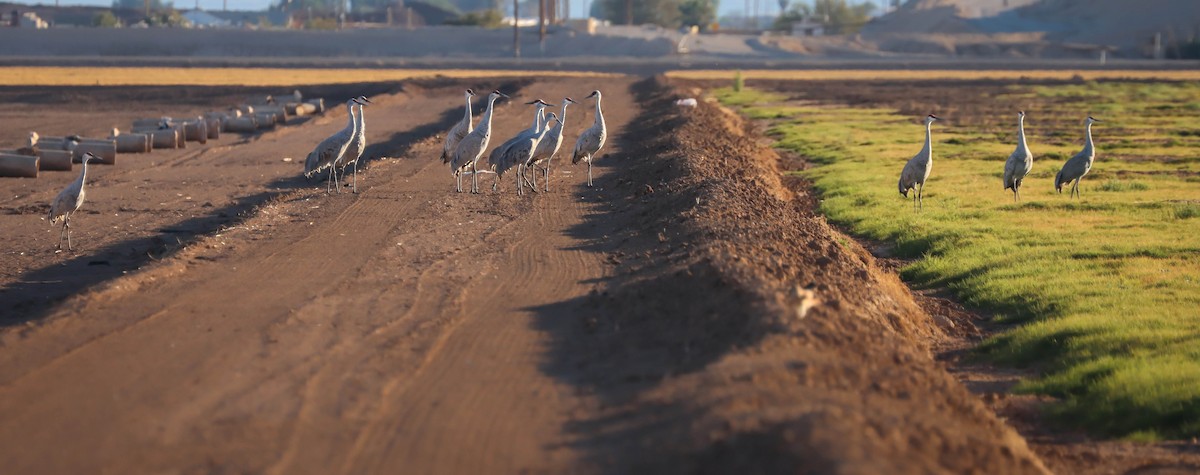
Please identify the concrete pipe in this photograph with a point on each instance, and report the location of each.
(306, 109)
(147, 122)
(214, 127)
(293, 108)
(279, 110)
(319, 103)
(133, 143)
(241, 124)
(59, 143)
(180, 139)
(105, 151)
(195, 131)
(12, 165)
(266, 120)
(164, 138)
(55, 160)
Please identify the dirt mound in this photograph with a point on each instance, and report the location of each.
(753, 336)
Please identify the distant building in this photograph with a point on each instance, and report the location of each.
(202, 19)
(807, 27)
(258, 19)
(32, 20)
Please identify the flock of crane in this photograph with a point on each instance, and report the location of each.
(466, 142)
(1016, 168)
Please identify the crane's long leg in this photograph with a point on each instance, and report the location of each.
(525, 177)
(458, 181)
(589, 173)
(61, 231)
(474, 178)
(495, 182)
(546, 176)
(921, 196)
(67, 223)
(1075, 188)
(337, 181)
(355, 188)
(517, 181)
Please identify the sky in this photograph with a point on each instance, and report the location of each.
(766, 7)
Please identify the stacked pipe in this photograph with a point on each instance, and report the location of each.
(148, 134)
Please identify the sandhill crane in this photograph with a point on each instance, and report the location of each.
(357, 145)
(591, 140)
(68, 202)
(31, 146)
(331, 149)
(539, 121)
(916, 171)
(1079, 165)
(1020, 162)
(549, 146)
(460, 130)
(520, 154)
(501, 156)
(467, 154)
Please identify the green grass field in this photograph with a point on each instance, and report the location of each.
(1102, 294)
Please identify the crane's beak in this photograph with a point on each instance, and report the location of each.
(568, 99)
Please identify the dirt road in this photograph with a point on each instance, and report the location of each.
(646, 325)
(344, 333)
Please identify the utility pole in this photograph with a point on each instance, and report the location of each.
(542, 22)
(516, 30)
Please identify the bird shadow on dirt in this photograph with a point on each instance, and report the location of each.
(663, 314)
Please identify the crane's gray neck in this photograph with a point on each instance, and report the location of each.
(928, 149)
(350, 123)
(539, 118)
(362, 119)
(83, 176)
(599, 115)
(486, 122)
(562, 117)
(1021, 133)
(467, 114)
(1088, 147)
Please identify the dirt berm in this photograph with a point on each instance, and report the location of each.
(710, 361)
